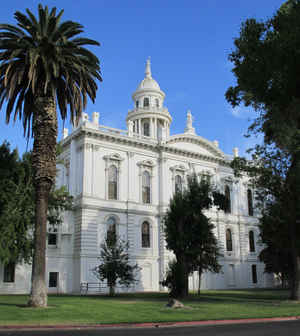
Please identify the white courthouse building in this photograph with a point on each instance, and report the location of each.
(123, 180)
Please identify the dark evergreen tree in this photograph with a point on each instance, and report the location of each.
(189, 233)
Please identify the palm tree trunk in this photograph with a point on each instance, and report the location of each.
(44, 168)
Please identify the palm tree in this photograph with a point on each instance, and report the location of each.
(43, 65)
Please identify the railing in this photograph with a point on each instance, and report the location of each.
(86, 287)
(113, 130)
(163, 110)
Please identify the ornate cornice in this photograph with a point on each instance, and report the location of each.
(152, 145)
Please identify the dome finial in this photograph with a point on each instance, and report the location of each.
(148, 69)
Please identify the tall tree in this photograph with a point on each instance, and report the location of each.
(44, 64)
(189, 232)
(266, 65)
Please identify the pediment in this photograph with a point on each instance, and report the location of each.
(181, 168)
(146, 163)
(196, 144)
(114, 157)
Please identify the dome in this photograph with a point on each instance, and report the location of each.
(148, 83)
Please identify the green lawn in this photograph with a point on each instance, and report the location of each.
(150, 307)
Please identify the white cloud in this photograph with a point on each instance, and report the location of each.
(242, 112)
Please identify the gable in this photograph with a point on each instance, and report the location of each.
(196, 144)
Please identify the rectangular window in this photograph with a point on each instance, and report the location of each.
(254, 274)
(52, 239)
(9, 272)
(53, 279)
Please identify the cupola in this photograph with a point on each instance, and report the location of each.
(149, 119)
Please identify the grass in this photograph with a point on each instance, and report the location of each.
(147, 307)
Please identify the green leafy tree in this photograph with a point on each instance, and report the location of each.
(268, 172)
(43, 65)
(274, 233)
(17, 199)
(115, 267)
(189, 233)
(16, 207)
(266, 66)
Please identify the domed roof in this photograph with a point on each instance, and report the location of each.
(148, 83)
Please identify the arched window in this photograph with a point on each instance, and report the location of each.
(146, 127)
(251, 241)
(111, 227)
(137, 103)
(113, 182)
(178, 183)
(145, 234)
(227, 200)
(228, 240)
(156, 102)
(146, 187)
(250, 202)
(146, 102)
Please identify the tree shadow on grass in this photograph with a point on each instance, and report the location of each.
(11, 304)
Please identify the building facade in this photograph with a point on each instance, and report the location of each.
(123, 180)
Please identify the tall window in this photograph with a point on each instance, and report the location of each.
(146, 129)
(228, 240)
(157, 102)
(113, 182)
(178, 183)
(137, 104)
(146, 102)
(9, 272)
(53, 279)
(227, 200)
(250, 202)
(254, 274)
(146, 187)
(145, 234)
(251, 241)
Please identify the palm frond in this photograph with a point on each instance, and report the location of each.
(43, 56)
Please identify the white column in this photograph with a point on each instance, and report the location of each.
(152, 128)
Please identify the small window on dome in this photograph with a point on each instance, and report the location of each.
(137, 104)
(157, 102)
(146, 102)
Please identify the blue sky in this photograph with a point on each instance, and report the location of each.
(188, 41)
